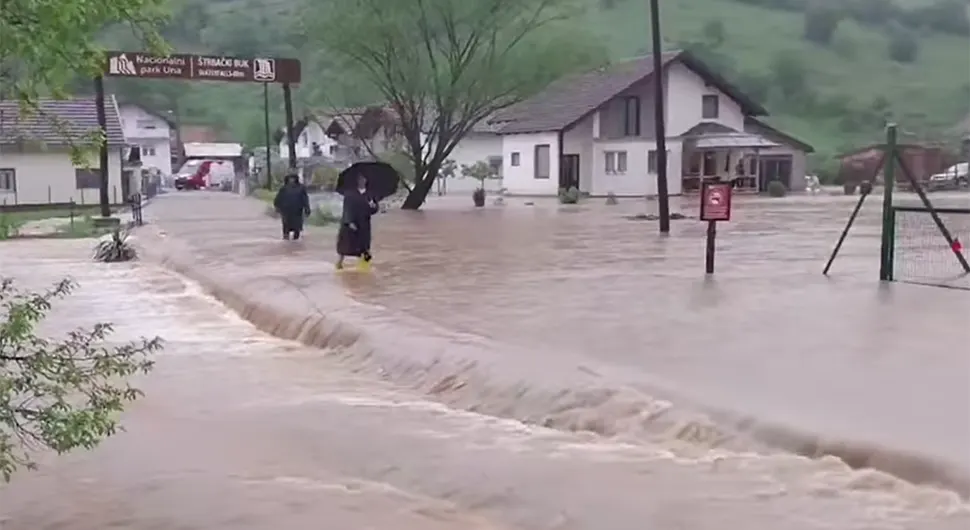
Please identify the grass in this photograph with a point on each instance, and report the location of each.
(930, 93)
(78, 223)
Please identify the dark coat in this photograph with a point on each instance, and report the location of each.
(354, 237)
(293, 204)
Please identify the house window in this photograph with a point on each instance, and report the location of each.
(542, 161)
(694, 163)
(615, 162)
(631, 116)
(752, 166)
(710, 107)
(652, 164)
(515, 160)
(147, 150)
(8, 179)
(495, 162)
(87, 179)
(710, 163)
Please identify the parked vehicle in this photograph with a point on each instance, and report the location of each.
(956, 176)
(205, 174)
(192, 175)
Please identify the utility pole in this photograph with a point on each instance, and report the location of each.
(663, 193)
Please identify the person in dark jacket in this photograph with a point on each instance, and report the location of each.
(293, 204)
(354, 236)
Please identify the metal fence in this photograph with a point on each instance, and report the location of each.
(922, 255)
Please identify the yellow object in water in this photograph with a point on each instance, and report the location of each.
(363, 265)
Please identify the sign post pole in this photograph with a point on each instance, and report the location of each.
(288, 108)
(103, 198)
(711, 247)
(715, 206)
(269, 155)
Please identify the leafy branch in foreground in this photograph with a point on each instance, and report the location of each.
(59, 394)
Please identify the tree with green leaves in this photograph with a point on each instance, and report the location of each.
(58, 394)
(444, 66)
(45, 43)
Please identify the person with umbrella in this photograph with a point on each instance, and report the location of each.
(293, 204)
(362, 185)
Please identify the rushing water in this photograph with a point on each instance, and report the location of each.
(583, 322)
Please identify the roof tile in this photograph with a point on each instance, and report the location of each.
(58, 121)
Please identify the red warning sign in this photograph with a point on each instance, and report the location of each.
(716, 201)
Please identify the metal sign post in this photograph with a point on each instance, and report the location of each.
(286, 72)
(715, 206)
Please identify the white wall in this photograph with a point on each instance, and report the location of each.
(313, 132)
(636, 181)
(685, 91)
(520, 180)
(48, 178)
(476, 147)
(151, 133)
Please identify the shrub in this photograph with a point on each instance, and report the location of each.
(323, 216)
(569, 196)
(714, 32)
(115, 247)
(777, 189)
(9, 226)
(903, 47)
(821, 23)
(790, 74)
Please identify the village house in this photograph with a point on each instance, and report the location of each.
(595, 132)
(343, 135)
(151, 133)
(36, 167)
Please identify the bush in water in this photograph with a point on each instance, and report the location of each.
(114, 247)
(777, 189)
(569, 196)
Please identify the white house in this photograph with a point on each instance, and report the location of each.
(311, 140)
(595, 132)
(151, 133)
(36, 167)
(344, 135)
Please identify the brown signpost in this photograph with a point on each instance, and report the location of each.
(203, 67)
(190, 67)
(715, 206)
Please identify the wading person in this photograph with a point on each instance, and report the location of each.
(293, 205)
(354, 236)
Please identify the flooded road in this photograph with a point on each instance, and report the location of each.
(239, 430)
(567, 315)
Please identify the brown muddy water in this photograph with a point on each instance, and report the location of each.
(582, 324)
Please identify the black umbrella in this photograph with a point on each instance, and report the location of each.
(382, 179)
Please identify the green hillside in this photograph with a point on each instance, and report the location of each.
(834, 94)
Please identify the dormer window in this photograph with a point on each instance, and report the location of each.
(710, 107)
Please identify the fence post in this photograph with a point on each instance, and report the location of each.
(888, 222)
(114, 194)
(49, 201)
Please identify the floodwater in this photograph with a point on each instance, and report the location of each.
(649, 395)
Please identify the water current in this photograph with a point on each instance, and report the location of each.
(649, 395)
